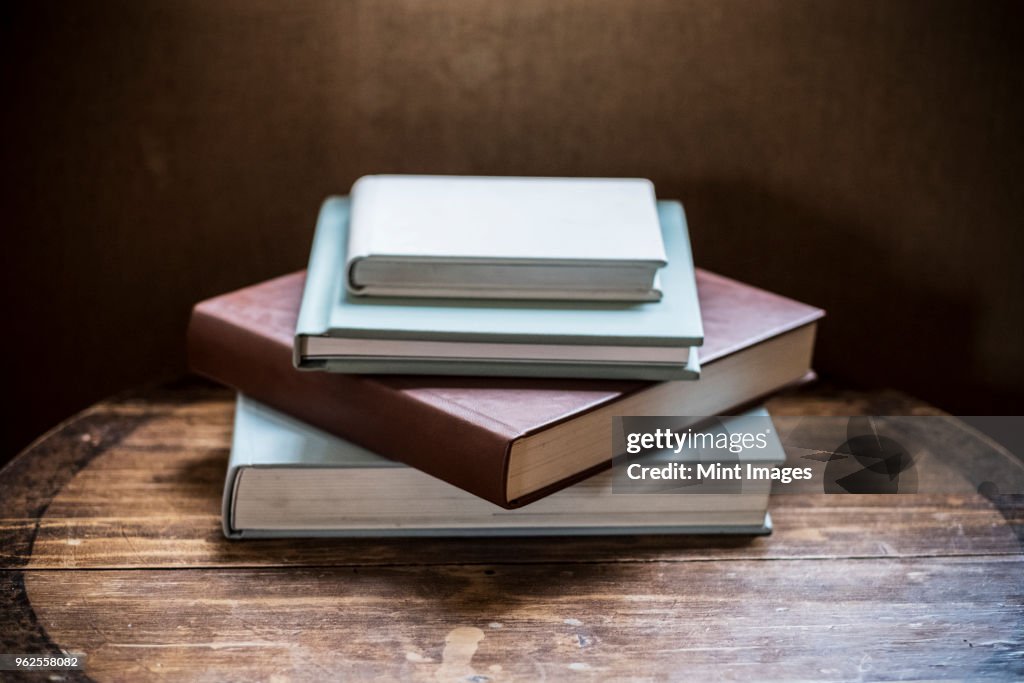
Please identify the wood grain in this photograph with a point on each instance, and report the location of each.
(744, 619)
(110, 544)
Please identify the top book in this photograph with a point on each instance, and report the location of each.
(595, 239)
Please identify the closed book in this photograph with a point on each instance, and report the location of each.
(508, 440)
(504, 238)
(288, 479)
(339, 332)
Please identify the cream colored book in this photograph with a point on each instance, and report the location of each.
(594, 239)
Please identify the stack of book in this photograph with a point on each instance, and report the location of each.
(452, 360)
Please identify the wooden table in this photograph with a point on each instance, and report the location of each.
(111, 545)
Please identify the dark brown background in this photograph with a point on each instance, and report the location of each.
(859, 156)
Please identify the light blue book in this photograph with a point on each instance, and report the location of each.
(288, 479)
(340, 332)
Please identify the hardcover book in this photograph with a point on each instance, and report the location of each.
(508, 440)
(504, 238)
(287, 479)
(339, 332)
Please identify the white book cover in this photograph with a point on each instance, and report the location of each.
(521, 237)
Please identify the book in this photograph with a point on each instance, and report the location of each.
(507, 440)
(338, 332)
(505, 238)
(288, 479)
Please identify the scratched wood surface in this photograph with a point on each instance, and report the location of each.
(110, 545)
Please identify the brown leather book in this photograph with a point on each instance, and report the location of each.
(508, 440)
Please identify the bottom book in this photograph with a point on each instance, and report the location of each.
(287, 479)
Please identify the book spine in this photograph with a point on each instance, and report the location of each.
(379, 416)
